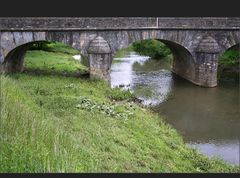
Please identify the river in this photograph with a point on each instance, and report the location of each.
(207, 118)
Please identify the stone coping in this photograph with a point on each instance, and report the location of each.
(117, 23)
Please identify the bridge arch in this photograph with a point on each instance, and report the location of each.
(123, 38)
(14, 59)
(235, 46)
(228, 65)
(183, 60)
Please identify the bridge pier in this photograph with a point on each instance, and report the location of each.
(194, 60)
(207, 55)
(100, 58)
(14, 61)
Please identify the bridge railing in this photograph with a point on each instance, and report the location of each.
(117, 23)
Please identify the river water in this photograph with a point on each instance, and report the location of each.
(207, 118)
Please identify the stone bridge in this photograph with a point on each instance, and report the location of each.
(196, 43)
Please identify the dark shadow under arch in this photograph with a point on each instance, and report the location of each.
(233, 47)
(183, 62)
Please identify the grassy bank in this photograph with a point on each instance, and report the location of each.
(52, 123)
(43, 129)
(56, 59)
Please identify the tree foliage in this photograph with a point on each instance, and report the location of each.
(40, 45)
(152, 48)
(230, 58)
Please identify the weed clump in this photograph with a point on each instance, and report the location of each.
(119, 94)
(116, 111)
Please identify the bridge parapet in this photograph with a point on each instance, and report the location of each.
(111, 23)
(200, 23)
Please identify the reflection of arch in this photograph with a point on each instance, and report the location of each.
(13, 62)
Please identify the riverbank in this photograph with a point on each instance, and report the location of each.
(71, 124)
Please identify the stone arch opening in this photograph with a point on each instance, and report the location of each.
(232, 47)
(182, 62)
(229, 63)
(15, 59)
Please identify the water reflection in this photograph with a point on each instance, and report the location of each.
(226, 149)
(121, 72)
(143, 75)
(208, 118)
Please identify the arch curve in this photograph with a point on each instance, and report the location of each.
(14, 59)
(183, 60)
(233, 46)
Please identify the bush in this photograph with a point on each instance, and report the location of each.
(123, 52)
(230, 58)
(229, 65)
(119, 95)
(56, 47)
(152, 48)
(115, 111)
(42, 45)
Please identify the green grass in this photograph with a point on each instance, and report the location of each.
(42, 130)
(53, 47)
(52, 123)
(117, 61)
(61, 48)
(123, 52)
(57, 59)
(52, 62)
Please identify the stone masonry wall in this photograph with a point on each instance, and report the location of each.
(182, 35)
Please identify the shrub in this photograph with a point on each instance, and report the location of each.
(230, 58)
(116, 111)
(118, 94)
(42, 45)
(152, 48)
(52, 46)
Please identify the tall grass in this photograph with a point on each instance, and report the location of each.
(49, 62)
(43, 129)
(31, 140)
